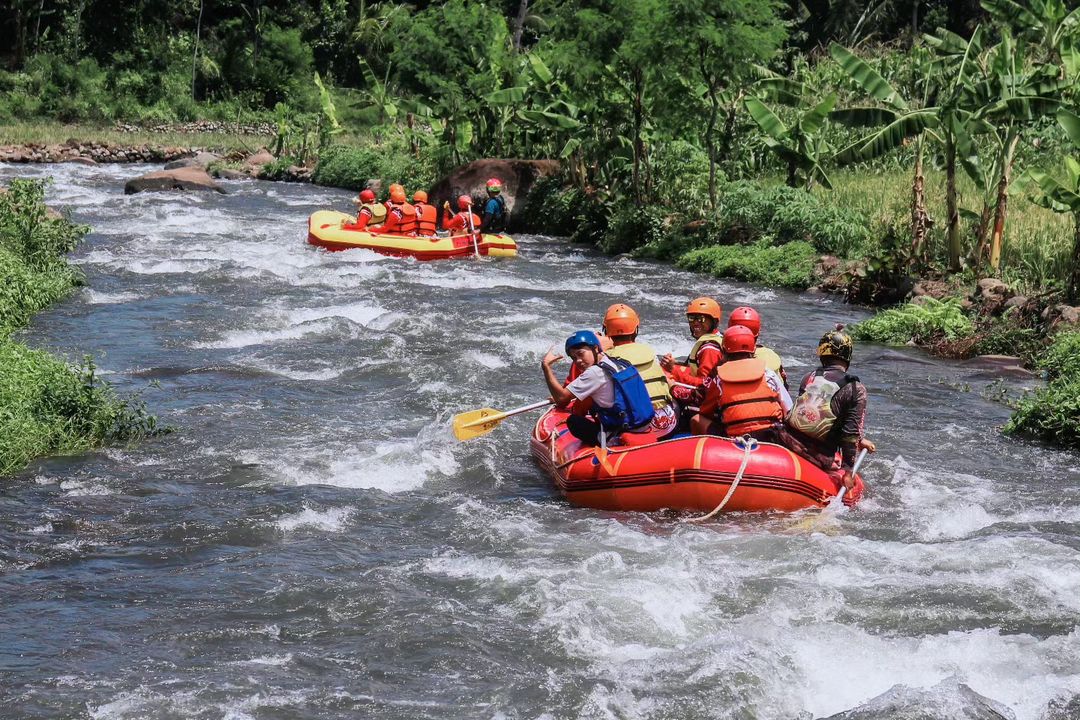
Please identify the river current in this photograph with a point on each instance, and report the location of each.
(311, 542)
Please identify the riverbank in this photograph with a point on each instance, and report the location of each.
(48, 407)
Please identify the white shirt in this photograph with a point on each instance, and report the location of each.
(594, 383)
(773, 380)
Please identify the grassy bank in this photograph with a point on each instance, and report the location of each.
(48, 407)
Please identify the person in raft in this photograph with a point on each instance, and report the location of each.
(365, 202)
(425, 214)
(400, 216)
(459, 223)
(703, 314)
(621, 324)
(746, 398)
(830, 412)
(494, 220)
(620, 402)
(749, 318)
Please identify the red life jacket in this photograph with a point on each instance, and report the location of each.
(747, 403)
(425, 219)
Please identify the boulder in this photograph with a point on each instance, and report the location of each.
(937, 289)
(230, 174)
(1017, 301)
(517, 176)
(80, 160)
(199, 160)
(992, 289)
(188, 178)
(263, 157)
(1061, 317)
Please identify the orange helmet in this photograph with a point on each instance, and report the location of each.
(747, 317)
(367, 196)
(419, 196)
(397, 194)
(705, 306)
(739, 339)
(620, 319)
(464, 202)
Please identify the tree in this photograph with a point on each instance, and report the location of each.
(1063, 195)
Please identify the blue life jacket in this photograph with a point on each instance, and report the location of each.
(633, 407)
(495, 214)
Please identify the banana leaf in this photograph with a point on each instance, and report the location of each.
(867, 77)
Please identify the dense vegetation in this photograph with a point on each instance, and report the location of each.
(47, 406)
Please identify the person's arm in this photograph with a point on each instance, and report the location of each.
(778, 385)
(852, 399)
(711, 402)
(559, 394)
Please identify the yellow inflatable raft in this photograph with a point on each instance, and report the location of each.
(331, 230)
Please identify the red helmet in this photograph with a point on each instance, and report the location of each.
(367, 196)
(494, 185)
(739, 339)
(705, 306)
(464, 202)
(620, 319)
(419, 196)
(747, 317)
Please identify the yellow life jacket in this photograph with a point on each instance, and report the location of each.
(643, 358)
(378, 212)
(771, 359)
(691, 359)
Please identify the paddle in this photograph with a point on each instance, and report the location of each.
(474, 423)
(472, 230)
(836, 501)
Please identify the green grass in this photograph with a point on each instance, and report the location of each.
(925, 322)
(47, 406)
(1052, 413)
(790, 265)
(53, 133)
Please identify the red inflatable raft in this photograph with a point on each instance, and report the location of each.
(689, 473)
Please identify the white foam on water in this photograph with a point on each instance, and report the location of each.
(247, 338)
(293, 374)
(487, 360)
(170, 267)
(944, 505)
(77, 488)
(359, 313)
(271, 660)
(42, 529)
(93, 297)
(332, 520)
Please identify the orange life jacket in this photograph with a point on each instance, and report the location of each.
(425, 219)
(747, 403)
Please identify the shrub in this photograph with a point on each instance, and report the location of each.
(927, 321)
(631, 226)
(1051, 413)
(351, 167)
(789, 265)
(1062, 360)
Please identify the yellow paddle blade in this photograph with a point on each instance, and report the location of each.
(468, 425)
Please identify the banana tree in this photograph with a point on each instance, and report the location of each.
(801, 147)
(1049, 24)
(1063, 195)
(896, 120)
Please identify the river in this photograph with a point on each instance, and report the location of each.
(311, 542)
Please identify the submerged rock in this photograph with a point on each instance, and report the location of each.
(947, 700)
(189, 178)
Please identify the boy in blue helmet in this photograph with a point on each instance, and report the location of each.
(621, 403)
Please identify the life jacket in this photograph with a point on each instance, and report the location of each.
(377, 210)
(643, 358)
(747, 403)
(407, 226)
(706, 339)
(496, 221)
(425, 219)
(633, 408)
(812, 413)
(772, 360)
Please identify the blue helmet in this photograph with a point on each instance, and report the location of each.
(582, 337)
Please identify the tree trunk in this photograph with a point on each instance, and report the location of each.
(710, 128)
(920, 218)
(519, 23)
(195, 54)
(638, 83)
(1074, 270)
(951, 205)
(1001, 206)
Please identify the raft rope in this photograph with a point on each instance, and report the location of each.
(748, 445)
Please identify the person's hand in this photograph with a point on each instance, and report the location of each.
(446, 204)
(867, 445)
(667, 362)
(849, 480)
(551, 358)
